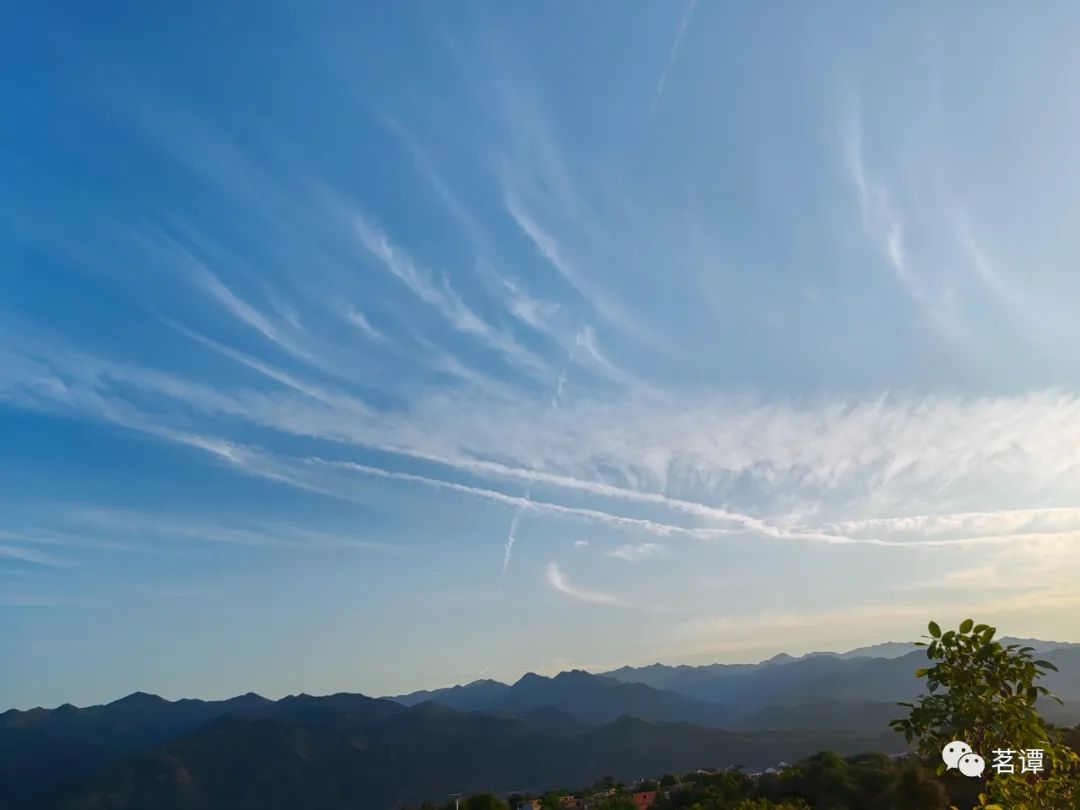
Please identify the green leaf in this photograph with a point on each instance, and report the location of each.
(1046, 665)
(966, 625)
(919, 673)
(935, 630)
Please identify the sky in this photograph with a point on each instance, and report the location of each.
(376, 347)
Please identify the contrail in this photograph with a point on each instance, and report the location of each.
(676, 45)
(511, 535)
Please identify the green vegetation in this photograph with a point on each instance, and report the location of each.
(985, 694)
(977, 690)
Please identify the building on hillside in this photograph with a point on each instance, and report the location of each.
(643, 799)
(531, 804)
(780, 767)
(569, 801)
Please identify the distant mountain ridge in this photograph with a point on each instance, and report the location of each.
(347, 751)
(593, 699)
(303, 751)
(731, 694)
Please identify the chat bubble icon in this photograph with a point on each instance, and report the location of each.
(952, 752)
(971, 765)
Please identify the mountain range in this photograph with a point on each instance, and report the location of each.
(349, 750)
(780, 692)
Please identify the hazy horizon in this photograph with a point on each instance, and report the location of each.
(377, 348)
(550, 673)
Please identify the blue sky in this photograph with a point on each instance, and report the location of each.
(377, 347)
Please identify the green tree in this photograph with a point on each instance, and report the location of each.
(484, 801)
(825, 780)
(983, 693)
(916, 789)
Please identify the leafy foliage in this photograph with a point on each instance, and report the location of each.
(985, 694)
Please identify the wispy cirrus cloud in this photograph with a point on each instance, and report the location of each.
(881, 219)
(361, 322)
(1030, 521)
(804, 455)
(884, 224)
(439, 295)
(557, 579)
(25, 555)
(166, 247)
(349, 403)
(549, 247)
(638, 552)
(258, 534)
(533, 312)
(442, 296)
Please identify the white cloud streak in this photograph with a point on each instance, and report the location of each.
(511, 534)
(638, 552)
(673, 53)
(552, 252)
(443, 298)
(881, 221)
(218, 291)
(26, 555)
(125, 523)
(535, 313)
(559, 581)
(883, 224)
(360, 321)
(271, 372)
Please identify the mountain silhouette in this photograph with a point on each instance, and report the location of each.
(351, 750)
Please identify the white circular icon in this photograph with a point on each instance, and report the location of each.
(972, 765)
(952, 752)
